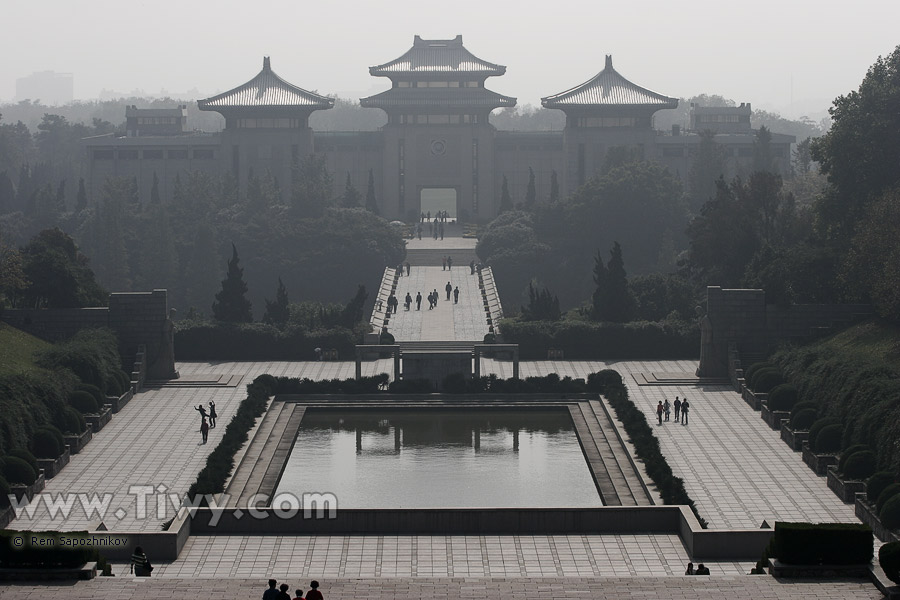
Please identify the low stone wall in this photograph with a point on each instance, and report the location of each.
(52, 466)
(774, 418)
(792, 438)
(819, 463)
(866, 513)
(845, 490)
(76, 443)
(99, 420)
(754, 401)
(117, 403)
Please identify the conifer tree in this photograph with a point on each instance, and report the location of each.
(371, 202)
(351, 194)
(554, 187)
(81, 200)
(505, 199)
(154, 191)
(231, 304)
(612, 298)
(531, 191)
(277, 312)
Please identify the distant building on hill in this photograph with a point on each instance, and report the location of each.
(50, 88)
(438, 150)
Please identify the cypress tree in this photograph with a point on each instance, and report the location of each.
(154, 191)
(81, 201)
(531, 192)
(612, 298)
(231, 304)
(351, 194)
(277, 312)
(554, 187)
(371, 203)
(505, 199)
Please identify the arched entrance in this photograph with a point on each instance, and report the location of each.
(434, 200)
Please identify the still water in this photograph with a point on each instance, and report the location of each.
(441, 459)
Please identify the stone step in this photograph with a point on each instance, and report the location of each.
(605, 486)
(606, 448)
(264, 452)
(623, 458)
(244, 469)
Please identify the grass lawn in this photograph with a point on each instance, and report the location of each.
(872, 339)
(17, 350)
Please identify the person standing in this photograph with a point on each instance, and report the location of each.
(666, 408)
(659, 411)
(685, 406)
(272, 592)
(408, 301)
(456, 295)
(204, 429)
(407, 269)
(314, 593)
(140, 565)
(677, 405)
(449, 289)
(449, 262)
(443, 263)
(283, 593)
(212, 414)
(418, 300)
(472, 267)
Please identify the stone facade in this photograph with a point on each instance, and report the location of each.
(438, 138)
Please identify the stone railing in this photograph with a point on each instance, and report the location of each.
(491, 298)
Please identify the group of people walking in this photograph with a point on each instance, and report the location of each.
(281, 592)
(682, 407)
(205, 425)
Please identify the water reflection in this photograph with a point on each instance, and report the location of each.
(441, 458)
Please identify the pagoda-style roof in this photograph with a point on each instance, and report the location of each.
(608, 88)
(266, 90)
(430, 97)
(437, 57)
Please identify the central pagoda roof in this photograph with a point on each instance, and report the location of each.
(266, 90)
(608, 88)
(438, 57)
(455, 97)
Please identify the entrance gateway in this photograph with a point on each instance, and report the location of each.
(434, 200)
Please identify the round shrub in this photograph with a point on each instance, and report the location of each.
(846, 453)
(755, 376)
(860, 465)
(803, 419)
(829, 439)
(752, 369)
(886, 494)
(601, 380)
(889, 559)
(83, 402)
(123, 378)
(782, 397)
(766, 380)
(890, 512)
(57, 434)
(805, 405)
(113, 386)
(16, 470)
(26, 456)
(71, 421)
(5, 491)
(94, 391)
(45, 444)
(816, 427)
(876, 484)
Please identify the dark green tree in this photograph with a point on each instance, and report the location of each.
(354, 312)
(231, 304)
(762, 151)
(278, 312)
(311, 186)
(612, 299)
(530, 191)
(707, 167)
(154, 190)
(554, 187)
(371, 202)
(59, 274)
(505, 199)
(81, 200)
(802, 157)
(861, 151)
(542, 305)
(351, 196)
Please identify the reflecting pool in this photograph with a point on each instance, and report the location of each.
(441, 458)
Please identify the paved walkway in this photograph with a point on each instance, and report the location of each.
(464, 320)
(520, 588)
(734, 466)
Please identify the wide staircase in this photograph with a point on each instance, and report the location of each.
(434, 257)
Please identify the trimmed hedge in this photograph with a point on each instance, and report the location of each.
(92, 354)
(45, 444)
(829, 439)
(752, 369)
(671, 488)
(805, 405)
(83, 402)
(28, 402)
(782, 397)
(877, 482)
(846, 453)
(93, 390)
(27, 457)
(823, 543)
(889, 559)
(860, 465)
(16, 470)
(766, 380)
(71, 421)
(258, 341)
(890, 512)
(816, 427)
(803, 420)
(886, 494)
(55, 554)
(593, 340)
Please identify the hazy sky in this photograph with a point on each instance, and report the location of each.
(794, 56)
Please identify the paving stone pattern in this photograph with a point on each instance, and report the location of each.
(464, 320)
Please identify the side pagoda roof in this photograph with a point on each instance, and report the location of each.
(439, 57)
(266, 90)
(608, 88)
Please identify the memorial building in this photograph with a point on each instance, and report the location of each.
(438, 149)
